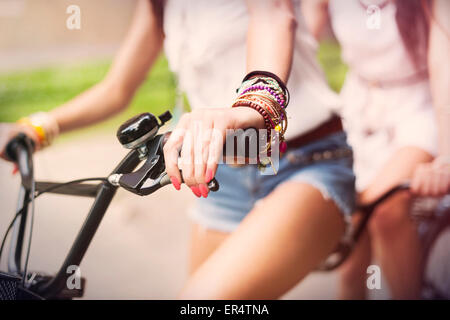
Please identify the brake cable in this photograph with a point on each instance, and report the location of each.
(33, 197)
(27, 201)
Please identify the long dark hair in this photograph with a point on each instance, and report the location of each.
(413, 21)
(158, 7)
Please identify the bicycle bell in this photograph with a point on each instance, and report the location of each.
(137, 131)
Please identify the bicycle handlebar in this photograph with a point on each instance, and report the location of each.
(19, 150)
(139, 134)
(400, 187)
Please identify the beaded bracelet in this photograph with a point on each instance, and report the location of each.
(274, 93)
(254, 105)
(278, 114)
(45, 126)
(271, 120)
(275, 84)
(261, 82)
(267, 105)
(277, 110)
(267, 94)
(267, 74)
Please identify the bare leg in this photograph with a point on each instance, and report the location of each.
(353, 272)
(203, 243)
(394, 237)
(397, 247)
(276, 245)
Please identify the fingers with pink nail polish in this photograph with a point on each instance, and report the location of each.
(209, 175)
(203, 190)
(176, 184)
(196, 191)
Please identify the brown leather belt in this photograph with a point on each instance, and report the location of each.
(333, 125)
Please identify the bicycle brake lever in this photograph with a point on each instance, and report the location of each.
(151, 185)
(148, 186)
(151, 176)
(150, 171)
(134, 181)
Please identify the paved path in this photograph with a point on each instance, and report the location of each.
(140, 250)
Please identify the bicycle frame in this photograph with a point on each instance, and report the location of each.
(103, 194)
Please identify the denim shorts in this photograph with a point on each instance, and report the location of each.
(242, 187)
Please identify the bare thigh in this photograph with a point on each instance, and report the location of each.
(203, 243)
(275, 246)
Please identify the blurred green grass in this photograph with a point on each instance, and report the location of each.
(329, 55)
(25, 92)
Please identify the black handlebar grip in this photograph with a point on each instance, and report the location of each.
(213, 185)
(20, 150)
(21, 141)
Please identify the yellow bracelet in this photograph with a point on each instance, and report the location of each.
(44, 125)
(40, 132)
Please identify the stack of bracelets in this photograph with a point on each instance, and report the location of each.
(267, 94)
(44, 125)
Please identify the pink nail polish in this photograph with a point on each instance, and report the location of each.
(196, 191)
(175, 182)
(209, 175)
(203, 190)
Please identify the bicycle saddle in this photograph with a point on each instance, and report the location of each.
(136, 131)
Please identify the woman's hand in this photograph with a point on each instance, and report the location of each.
(9, 131)
(432, 179)
(198, 139)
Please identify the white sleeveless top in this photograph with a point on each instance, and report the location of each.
(379, 120)
(370, 39)
(205, 44)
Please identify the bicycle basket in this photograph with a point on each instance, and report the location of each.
(11, 289)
